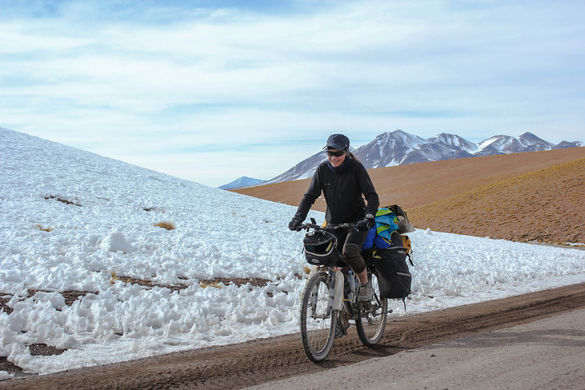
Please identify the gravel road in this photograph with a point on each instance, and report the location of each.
(545, 354)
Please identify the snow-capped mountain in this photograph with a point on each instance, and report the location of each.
(242, 182)
(389, 149)
(499, 144)
(302, 170)
(455, 142)
(400, 148)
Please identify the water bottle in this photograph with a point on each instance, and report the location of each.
(352, 287)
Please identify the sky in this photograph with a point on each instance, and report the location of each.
(213, 90)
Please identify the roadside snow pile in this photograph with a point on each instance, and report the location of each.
(85, 270)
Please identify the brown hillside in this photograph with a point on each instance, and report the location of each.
(547, 205)
(416, 185)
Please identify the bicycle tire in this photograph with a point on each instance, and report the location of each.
(318, 321)
(371, 316)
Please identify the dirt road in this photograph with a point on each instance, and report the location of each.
(258, 362)
(545, 354)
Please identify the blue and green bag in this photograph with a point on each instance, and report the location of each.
(380, 236)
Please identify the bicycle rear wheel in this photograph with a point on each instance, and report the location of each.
(318, 320)
(371, 316)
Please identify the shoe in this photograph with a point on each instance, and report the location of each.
(366, 293)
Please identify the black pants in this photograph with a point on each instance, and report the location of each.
(350, 245)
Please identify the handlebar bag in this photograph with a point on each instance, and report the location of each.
(321, 248)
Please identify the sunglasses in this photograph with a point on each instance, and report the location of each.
(339, 153)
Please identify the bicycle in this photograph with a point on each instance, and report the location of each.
(329, 301)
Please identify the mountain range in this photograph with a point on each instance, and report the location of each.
(401, 148)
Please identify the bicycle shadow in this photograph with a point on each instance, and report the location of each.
(359, 353)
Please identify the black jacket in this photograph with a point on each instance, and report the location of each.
(343, 188)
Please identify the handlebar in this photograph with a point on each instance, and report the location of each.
(313, 225)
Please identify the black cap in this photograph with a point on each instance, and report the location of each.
(338, 141)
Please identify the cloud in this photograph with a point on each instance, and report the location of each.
(125, 78)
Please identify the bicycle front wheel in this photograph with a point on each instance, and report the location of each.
(371, 316)
(318, 320)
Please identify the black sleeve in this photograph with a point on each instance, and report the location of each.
(310, 196)
(368, 190)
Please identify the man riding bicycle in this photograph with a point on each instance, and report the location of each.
(345, 183)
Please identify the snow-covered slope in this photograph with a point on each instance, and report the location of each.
(74, 223)
(101, 215)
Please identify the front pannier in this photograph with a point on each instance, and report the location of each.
(321, 248)
(394, 278)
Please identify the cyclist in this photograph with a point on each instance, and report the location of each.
(343, 180)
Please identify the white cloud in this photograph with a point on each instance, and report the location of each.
(19, 39)
(152, 80)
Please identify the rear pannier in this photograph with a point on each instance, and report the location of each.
(394, 276)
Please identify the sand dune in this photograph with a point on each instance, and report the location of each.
(524, 196)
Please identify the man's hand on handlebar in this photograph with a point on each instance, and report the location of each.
(295, 224)
(366, 223)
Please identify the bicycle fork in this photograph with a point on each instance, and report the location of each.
(336, 291)
(335, 287)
